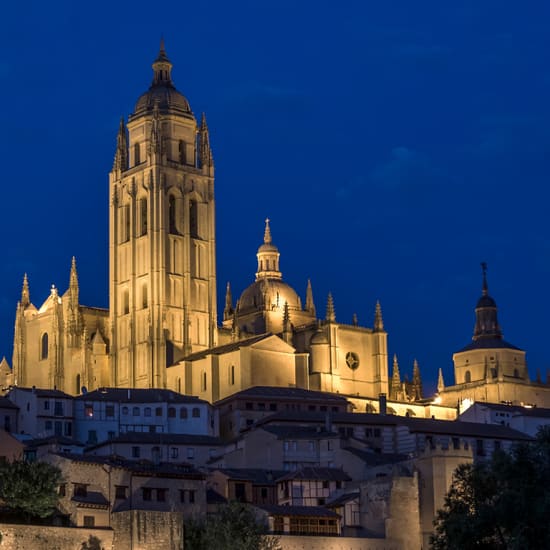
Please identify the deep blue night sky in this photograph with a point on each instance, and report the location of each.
(394, 145)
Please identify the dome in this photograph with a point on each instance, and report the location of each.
(486, 301)
(269, 294)
(168, 98)
(162, 91)
(319, 338)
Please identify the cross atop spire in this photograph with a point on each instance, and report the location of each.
(485, 288)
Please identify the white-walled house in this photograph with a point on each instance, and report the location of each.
(42, 412)
(108, 412)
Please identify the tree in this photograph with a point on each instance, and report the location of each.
(29, 488)
(500, 504)
(234, 527)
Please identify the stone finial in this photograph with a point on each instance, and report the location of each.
(331, 313)
(267, 232)
(228, 310)
(25, 293)
(310, 305)
(378, 321)
(440, 381)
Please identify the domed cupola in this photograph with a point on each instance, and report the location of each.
(268, 257)
(162, 91)
(486, 326)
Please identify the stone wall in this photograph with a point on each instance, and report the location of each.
(147, 530)
(289, 542)
(31, 537)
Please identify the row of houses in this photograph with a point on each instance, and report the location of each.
(303, 460)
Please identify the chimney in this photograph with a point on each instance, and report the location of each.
(383, 403)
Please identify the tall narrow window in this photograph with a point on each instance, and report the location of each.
(143, 217)
(232, 375)
(44, 346)
(137, 158)
(193, 219)
(144, 295)
(125, 301)
(182, 152)
(204, 381)
(172, 215)
(467, 377)
(78, 388)
(169, 353)
(124, 223)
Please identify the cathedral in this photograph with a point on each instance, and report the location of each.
(161, 329)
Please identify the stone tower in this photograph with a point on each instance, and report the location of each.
(162, 236)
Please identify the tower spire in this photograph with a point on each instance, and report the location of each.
(121, 154)
(378, 321)
(395, 385)
(268, 257)
(228, 310)
(162, 68)
(330, 313)
(310, 304)
(416, 382)
(486, 326)
(287, 327)
(25, 293)
(440, 382)
(267, 232)
(205, 151)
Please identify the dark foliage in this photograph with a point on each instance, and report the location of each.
(29, 488)
(500, 504)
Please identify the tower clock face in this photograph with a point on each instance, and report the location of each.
(352, 360)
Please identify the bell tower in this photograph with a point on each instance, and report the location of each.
(162, 236)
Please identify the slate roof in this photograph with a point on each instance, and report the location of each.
(93, 499)
(299, 432)
(298, 421)
(274, 392)
(226, 348)
(5, 403)
(45, 392)
(342, 499)
(160, 439)
(322, 474)
(139, 395)
(488, 343)
(376, 459)
(255, 475)
(139, 467)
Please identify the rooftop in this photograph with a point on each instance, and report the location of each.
(138, 395)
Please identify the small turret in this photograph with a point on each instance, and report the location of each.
(310, 305)
(440, 382)
(287, 326)
(228, 310)
(121, 154)
(268, 257)
(486, 327)
(395, 386)
(205, 152)
(331, 313)
(378, 321)
(416, 382)
(25, 293)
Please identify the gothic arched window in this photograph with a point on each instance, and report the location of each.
(137, 157)
(172, 228)
(467, 377)
(182, 152)
(142, 217)
(44, 346)
(193, 218)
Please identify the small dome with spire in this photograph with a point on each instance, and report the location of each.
(162, 91)
(269, 291)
